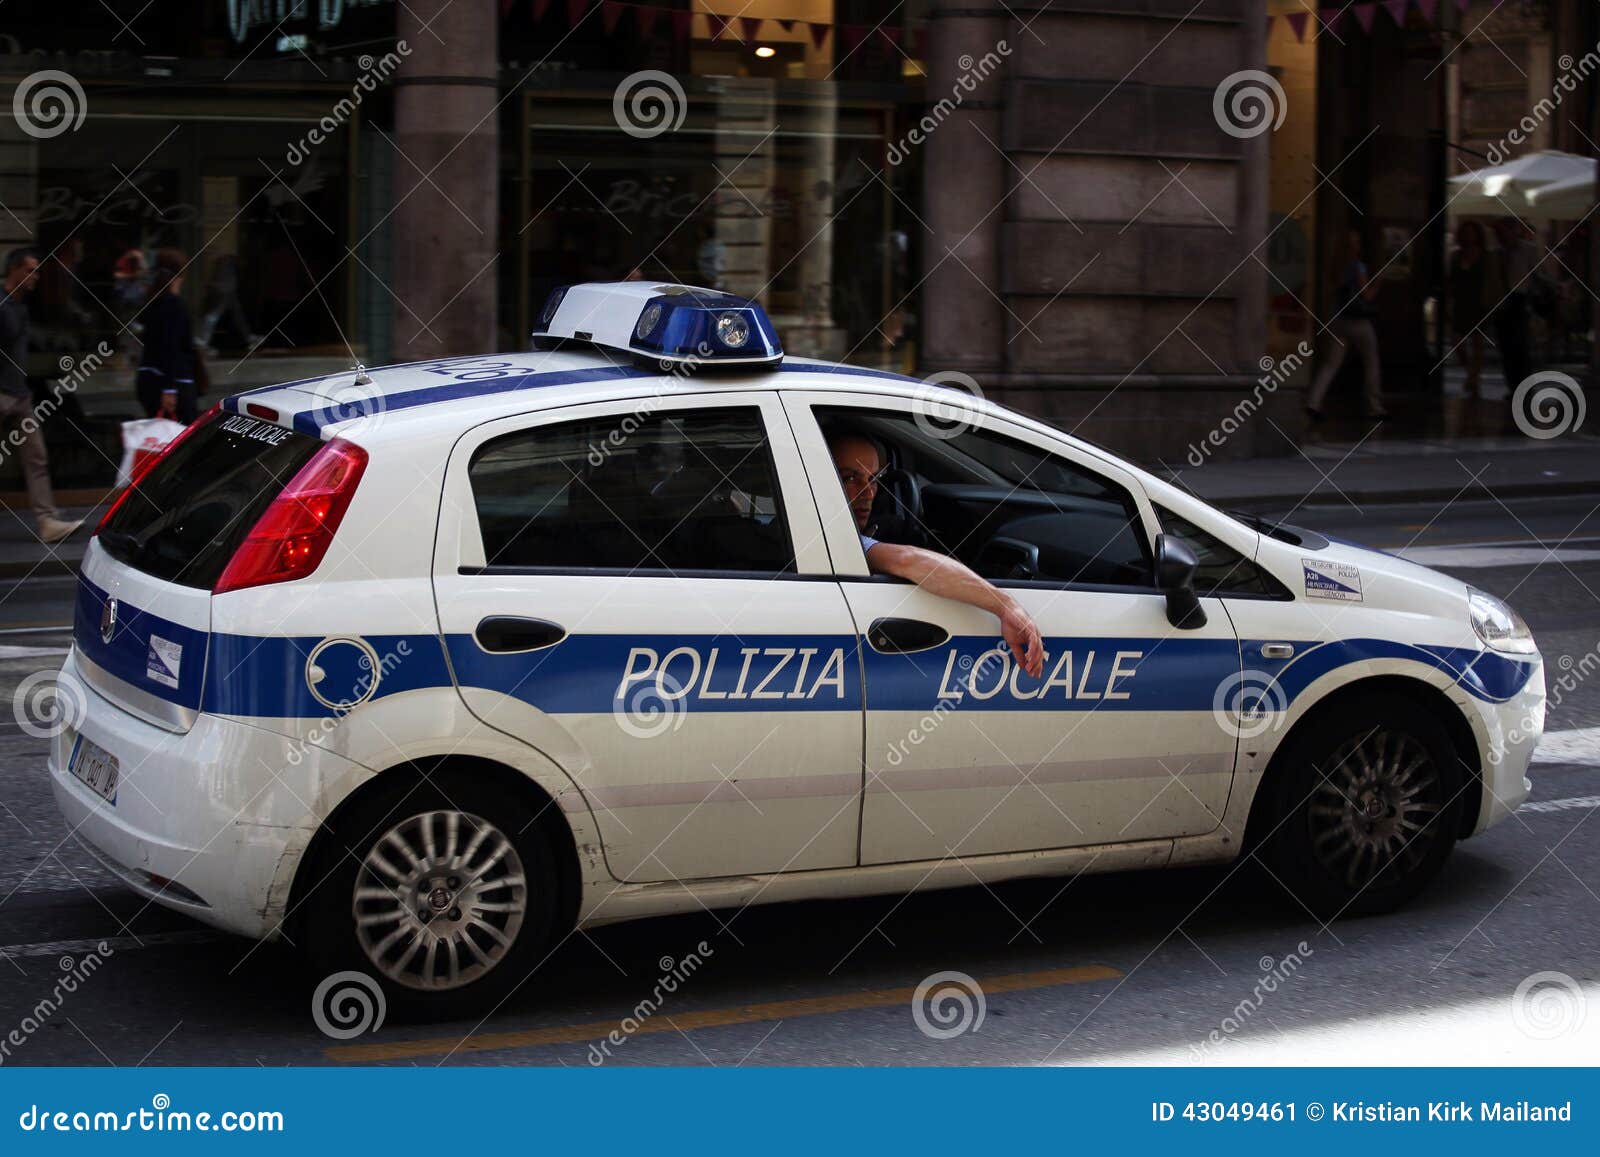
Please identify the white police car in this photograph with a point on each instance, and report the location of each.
(427, 666)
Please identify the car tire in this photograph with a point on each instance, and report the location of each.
(1363, 805)
(445, 891)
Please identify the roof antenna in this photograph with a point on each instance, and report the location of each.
(361, 376)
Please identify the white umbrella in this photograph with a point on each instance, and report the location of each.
(1568, 200)
(1503, 190)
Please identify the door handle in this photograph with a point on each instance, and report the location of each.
(1277, 650)
(903, 636)
(506, 634)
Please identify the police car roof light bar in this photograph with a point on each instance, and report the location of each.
(666, 327)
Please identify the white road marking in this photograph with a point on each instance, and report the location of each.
(31, 652)
(1478, 556)
(1561, 805)
(1579, 746)
(114, 943)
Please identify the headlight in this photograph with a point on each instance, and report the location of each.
(1498, 625)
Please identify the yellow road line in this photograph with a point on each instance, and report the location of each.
(705, 1018)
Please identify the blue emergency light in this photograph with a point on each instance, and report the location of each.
(666, 326)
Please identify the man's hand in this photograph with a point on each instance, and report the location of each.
(942, 575)
(1022, 636)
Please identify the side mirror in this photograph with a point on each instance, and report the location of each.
(1175, 567)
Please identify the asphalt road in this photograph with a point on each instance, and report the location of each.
(1199, 966)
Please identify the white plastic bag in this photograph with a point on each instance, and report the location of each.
(144, 439)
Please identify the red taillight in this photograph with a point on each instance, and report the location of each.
(140, 469)
(293, 534)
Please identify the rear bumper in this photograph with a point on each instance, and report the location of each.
(212, 822)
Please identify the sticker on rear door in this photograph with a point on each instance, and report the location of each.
(1339, 581)
(163, 661)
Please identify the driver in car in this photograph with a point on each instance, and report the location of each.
(859, 463)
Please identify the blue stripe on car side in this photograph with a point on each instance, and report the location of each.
(266, 675)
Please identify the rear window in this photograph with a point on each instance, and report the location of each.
(192, 510)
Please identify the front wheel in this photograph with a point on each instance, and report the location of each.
(1363, 807)
(443, 892)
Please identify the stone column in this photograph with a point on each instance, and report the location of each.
(446, 178)
(964, 187)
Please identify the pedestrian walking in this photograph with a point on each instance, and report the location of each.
(17, 413)
(1476, 286)
(1512, 317)
(1352, 325)
(166, 381)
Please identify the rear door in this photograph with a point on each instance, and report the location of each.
(641, 592)
(142, 619)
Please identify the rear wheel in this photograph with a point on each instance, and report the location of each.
(1363, 806)
(445, 893)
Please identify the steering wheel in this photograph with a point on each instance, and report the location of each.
(900, 496)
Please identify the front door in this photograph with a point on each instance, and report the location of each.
(965, 753)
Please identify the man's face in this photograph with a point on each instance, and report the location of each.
(21, 279)
(856, 459)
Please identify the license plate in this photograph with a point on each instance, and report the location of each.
(95, 766)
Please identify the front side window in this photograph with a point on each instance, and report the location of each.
(1009, 510)
(688, 490)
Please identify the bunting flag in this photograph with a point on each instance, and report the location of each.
(1297, 25)
(852, 36)
(1365, 15)
(1429, 9)
(1331, 18)
(1397, 11)
(1270, 19)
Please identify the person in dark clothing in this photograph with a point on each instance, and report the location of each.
(19, 420)
(166, 370)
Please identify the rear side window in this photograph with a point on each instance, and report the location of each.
(671, 491)
(190, 512)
